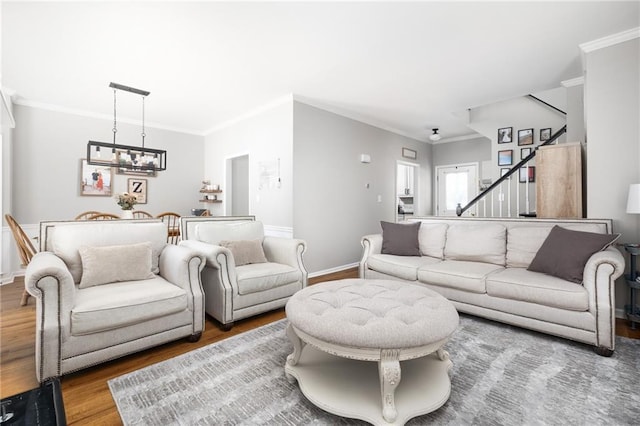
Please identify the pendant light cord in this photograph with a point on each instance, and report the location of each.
(115, 129)
(143, 133)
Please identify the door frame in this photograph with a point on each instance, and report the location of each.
(416, 187)
(437, 183)
(228, 181)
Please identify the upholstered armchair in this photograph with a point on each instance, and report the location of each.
(105, 289)
(246, 272)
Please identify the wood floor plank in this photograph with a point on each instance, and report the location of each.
(86, 395)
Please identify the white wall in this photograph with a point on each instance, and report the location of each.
(612, 85)
(265, 136)
(333, 208)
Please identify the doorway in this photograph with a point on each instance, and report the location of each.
(407, 190)
(237, 186)
(456, 184)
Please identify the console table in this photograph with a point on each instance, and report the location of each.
(632, 309)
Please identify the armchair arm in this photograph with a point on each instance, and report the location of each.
(49, 281)
(599, 277)
(371, 244)
(286, 251)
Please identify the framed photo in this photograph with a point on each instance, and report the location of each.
(505, 135)
(525, 137)
(138, 187)
(409, 153)
(95, 180)
(524, 153)
(504, 171)
(545, 134)
(147, 173)
(532, 174)
(505, 157)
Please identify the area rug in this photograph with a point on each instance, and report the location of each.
(501, 375)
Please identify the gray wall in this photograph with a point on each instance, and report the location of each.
(469, 151)
(612, 85)
(333, 208)
(47, 148)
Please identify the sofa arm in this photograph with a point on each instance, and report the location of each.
(181, 266)
(219, 259)
(599, 277)
(371, 244)
(49, 281)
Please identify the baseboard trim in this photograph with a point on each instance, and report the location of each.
(333, 270)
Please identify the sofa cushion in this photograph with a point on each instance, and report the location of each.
(112, 306)
(565, 252)
(245, 251)
(65, 241)
(485, 243)
(215, 231)
(432, 237)
(404, 267)
(257, 277)
(523, 243)
(534, 287)
(109, 264)
(400, 239)
(463, 275)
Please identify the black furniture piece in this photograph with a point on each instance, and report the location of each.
(632, 309)
(39, 406)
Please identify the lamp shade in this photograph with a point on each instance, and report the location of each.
(633, 201)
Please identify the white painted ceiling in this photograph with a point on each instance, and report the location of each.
(405, 66)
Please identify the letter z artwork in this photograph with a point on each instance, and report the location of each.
(138, 187)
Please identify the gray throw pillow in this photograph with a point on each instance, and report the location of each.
(565, 253)
(400, 239)
(246, 252)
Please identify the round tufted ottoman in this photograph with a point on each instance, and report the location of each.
(335, 326)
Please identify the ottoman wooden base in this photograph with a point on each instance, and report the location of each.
(351, 388)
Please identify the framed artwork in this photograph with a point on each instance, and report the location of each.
(505, 135)
(504, 171)
(525, 137)
(138, 187)
(523, 174)
(95, 180)
(409, 153)
(505, 157)
(147, 173)
(524, 153)
(545, 134)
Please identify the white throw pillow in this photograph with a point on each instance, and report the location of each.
(109, 264)
(485, 243)
(246, 252)
(432, 237)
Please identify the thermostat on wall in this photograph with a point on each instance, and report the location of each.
(365, 158)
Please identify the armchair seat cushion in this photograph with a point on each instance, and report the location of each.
(257, 277)
(116, 305)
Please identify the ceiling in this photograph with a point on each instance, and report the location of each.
(402, 66)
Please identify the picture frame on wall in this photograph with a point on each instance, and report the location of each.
(409, 153)
(525, 137)
(531, 172)
(505, 135)
(505, 157)
(524, 153)
(545, 134)
(138, 187)
(504, 171)
(95, 181)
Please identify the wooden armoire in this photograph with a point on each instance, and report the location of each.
(559, 181)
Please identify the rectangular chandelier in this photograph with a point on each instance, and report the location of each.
(126, 156)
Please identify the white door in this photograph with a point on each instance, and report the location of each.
(456, 184)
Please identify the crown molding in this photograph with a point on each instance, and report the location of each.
(610, 40)
(252, 113)
(90, 114)
(578, 81)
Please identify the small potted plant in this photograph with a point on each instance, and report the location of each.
(126, 201)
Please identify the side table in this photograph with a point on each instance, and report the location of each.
(632, 309)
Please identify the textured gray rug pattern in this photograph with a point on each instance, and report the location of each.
(501, 375)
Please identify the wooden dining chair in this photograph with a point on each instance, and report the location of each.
(26, 250)
(141, 214)
(103, 216)
(86, 215)
(172, 220)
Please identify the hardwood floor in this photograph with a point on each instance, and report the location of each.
(87, 398)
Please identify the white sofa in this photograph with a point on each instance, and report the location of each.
(234, 291)
(105, 289)
(480, 264)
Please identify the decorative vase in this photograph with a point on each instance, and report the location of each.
(127, 214)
